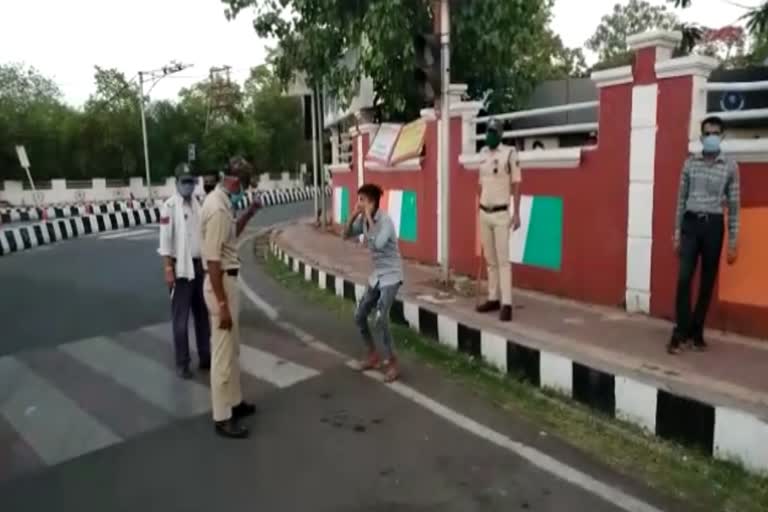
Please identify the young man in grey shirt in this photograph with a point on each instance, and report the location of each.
(379, 236)
(709, 182)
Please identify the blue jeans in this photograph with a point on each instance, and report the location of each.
(380, 299)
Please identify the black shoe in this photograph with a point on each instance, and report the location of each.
(699, 344)
(205, 366)
(673, 347)
(488, 306)
(243, 410)
(184, 372)
(231, 429)
(506, 313)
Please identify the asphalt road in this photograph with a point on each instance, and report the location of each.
(93, 419)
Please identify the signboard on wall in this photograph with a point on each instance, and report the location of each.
(410, 142)
(384, 142)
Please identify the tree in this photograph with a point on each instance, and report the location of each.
(756, 17)
(565, 62)
(610, 38)
(32, 114)
(507, 55)
(104, 137)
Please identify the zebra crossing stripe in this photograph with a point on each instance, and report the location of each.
(34, 407)
(145, 377)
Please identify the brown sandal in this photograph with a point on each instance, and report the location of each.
(391, 372)
(371, 362)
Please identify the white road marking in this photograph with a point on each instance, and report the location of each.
(127, 233)
(610, 494)
(260, 303)
(278, 372)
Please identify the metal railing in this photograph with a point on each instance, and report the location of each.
(344, 146)
(544, 130)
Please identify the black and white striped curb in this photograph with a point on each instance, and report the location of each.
(43, 233)
(724, 432)
(17, 239)
(32, 214)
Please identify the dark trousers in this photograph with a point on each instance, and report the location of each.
(701, 238)
(188, 297)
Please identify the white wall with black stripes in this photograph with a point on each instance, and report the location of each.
(723, 431)
(32, 214)
(17, 239)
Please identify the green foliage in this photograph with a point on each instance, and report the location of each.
(500, 49)
(103, 138)
(610, 38)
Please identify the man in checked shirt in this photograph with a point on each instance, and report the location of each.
(709, 182)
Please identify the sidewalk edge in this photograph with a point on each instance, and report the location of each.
(728, 432)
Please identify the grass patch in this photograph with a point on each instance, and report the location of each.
(692, 477)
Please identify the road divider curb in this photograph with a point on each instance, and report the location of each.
(17, 239)
(724, 432)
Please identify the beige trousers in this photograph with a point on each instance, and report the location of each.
(225, 350)
(494, 234)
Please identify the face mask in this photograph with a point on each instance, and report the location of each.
(236, 197)
(208, 187)
(185, 189)
(710, 144)
(493, 139)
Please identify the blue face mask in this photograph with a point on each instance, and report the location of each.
(185, 189)
(710, 144)
(236, 197)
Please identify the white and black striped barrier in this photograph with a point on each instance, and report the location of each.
(17, 239)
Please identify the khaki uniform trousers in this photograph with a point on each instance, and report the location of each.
(225, 350)
(494, 235)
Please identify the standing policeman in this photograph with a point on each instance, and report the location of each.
(499, 178)
(220, 232)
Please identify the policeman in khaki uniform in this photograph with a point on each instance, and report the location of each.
(499, 178)
(220, 232)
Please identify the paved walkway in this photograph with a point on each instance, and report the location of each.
(732, 372)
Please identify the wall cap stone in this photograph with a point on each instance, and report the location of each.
(655, 39)
(690, 65)
(613, 76)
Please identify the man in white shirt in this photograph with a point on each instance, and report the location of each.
(184, 275)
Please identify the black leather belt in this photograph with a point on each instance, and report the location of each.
(494, 209)
(703, 216)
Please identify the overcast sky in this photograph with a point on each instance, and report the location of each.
(66, 38)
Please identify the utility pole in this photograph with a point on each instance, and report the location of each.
(321, 167)
(445, 129)
(220, 97)
(154, 75)
(144, 136)
(432, 76)
(314, 153)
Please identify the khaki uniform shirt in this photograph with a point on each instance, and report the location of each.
(217, 223)
(499, 170)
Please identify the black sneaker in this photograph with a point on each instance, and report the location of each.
(184, 372)
(506, 313)
(231, 429)
(243, 410)
(488, 306)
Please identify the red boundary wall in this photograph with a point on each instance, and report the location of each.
(595, 204)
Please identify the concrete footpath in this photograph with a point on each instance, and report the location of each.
(615, 362)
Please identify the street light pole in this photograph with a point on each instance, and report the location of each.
(144, 135)
(157, 75)
(445, 133)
